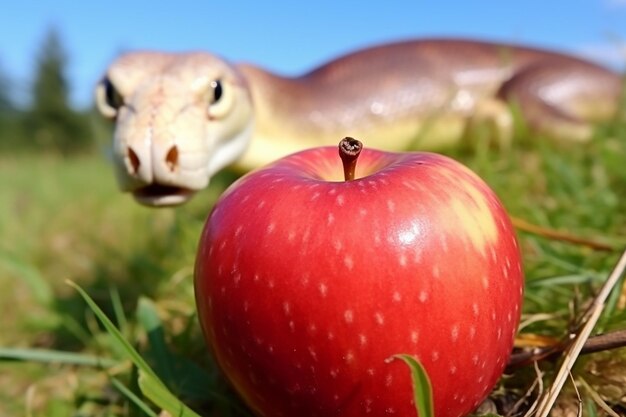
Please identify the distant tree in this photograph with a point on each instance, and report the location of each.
(10, 122)
(6, 99)
(51, 122)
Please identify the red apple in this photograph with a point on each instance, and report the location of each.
(307, 285)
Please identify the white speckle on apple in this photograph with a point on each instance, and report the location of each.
(423, 296)
(475, 359)
(331, 336)
(494, 254)
(505, 272)
(454, 333)
(306, 235)
(348, 262)
(256, 278)
(388, 380)
(332, 191)
(236, 278)
(362, 212)
(270, 349)
(509, 317)
(271, 284)
(338, 245)
(362, 340)
(391, 206)
(340, 200)
(475, 309)
(377, 238)
(349, 357)
(238, 230)
(312, 328)
(323, 289)
(436, 272)
(485, 281)
(348, 316)
(472, 332)
(499, 333)
(260, 204)
(270, 228)
(334, 373)
(452, 370)
(370, 371)
(434, 356)
(291, 236)
(493, 315)
(287, 308)
(414, 336)
(408, 185)
(292, 326)
(380, 319)
(402, 260)
(397, 297)
(315, 196)
(330, 219)
(313, 353)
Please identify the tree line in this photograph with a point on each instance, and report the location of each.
(48, 123)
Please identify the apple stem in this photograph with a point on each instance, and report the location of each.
(349, 150)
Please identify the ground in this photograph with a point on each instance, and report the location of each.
(64, 219)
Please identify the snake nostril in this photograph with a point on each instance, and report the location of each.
(133, 161)
(171, 159)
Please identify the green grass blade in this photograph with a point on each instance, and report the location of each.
(133, 397)
(149, 383)
(118, 309)
(422, 388)
(150, 321)
(118, 338)
(54, 356)
(162, 397)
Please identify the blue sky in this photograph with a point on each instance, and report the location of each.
(291, 37)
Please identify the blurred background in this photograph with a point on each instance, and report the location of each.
(62, 216)
(53, 52)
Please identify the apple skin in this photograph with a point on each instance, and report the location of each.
(307, 285)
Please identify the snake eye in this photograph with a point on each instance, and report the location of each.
(108, 98)
(217, 90)
(221, 99)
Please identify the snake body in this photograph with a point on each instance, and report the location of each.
(182, 117)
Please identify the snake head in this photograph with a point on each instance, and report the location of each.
(179, 118)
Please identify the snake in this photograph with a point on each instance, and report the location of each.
(182, 117)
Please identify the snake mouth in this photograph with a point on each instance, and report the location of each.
(157, 195)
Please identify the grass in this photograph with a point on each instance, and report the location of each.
(65, 219)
